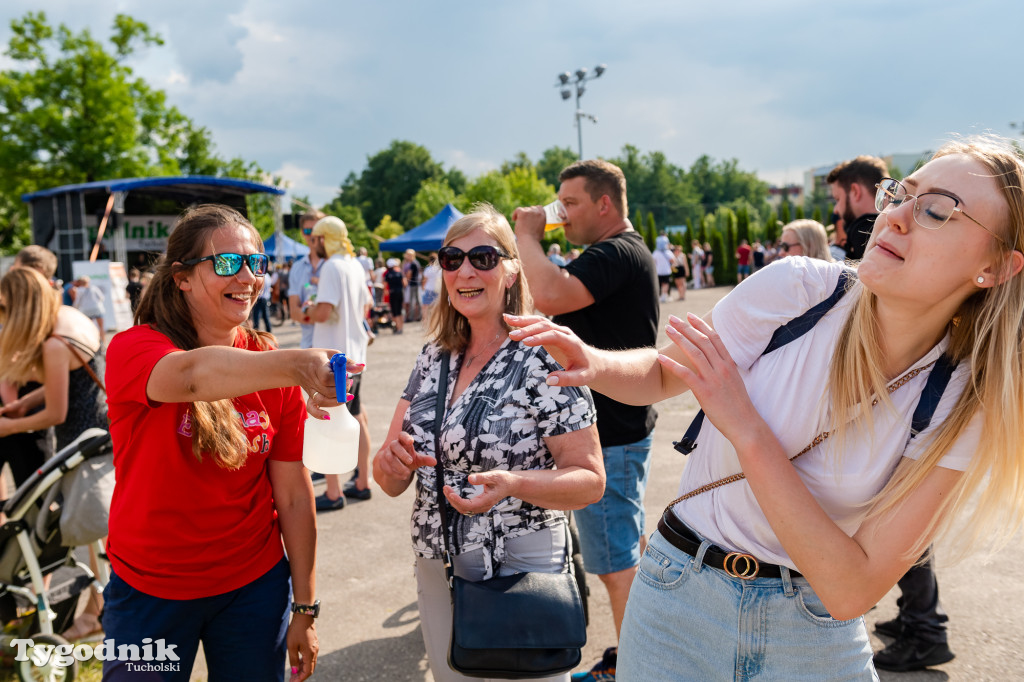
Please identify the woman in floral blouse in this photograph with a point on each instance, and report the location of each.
(515, 450)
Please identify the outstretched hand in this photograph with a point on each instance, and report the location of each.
(320, 388)
(565, 347)
(710, 372)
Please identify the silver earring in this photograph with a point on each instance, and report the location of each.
(981, 280)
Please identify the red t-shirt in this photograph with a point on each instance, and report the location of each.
(743, 255)
(180, 528)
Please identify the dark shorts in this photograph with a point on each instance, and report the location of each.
(355, 406)
(396, 301)
(665, 280)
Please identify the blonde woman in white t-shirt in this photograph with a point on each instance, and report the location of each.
(783, 562)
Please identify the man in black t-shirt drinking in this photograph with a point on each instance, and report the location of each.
(609, 297)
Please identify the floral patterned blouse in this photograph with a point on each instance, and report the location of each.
(499, 422)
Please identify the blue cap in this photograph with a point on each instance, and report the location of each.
(339, 365)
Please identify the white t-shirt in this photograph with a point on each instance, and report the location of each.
(788, 388)
(343, 285)
(432, 278)
(367, 264)
(663, 262)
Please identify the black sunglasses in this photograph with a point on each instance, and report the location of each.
(482, 257)
(786, 246)
(228, 264)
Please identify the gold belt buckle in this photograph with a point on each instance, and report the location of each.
(750, 567)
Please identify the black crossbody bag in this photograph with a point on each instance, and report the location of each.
(520, 626)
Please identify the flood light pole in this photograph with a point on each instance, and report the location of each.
(567, 85)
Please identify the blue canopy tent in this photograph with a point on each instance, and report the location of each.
(289, 250)
(426, 237)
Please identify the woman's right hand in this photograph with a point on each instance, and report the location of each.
(316, 377)
(565, 347)
(399, 459)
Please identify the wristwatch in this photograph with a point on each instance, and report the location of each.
(307, 609)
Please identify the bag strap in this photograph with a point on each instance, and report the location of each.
(791, 331)
(442, 502)
(85, 364)
(824, 435)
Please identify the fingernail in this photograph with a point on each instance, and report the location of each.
(349, 397)
(691, 316)
(360, 365)
(663, 358)
(327, 417)
(295, 671)
(673, 318)
(551, 381)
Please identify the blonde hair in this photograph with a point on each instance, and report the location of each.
(28, 313)
(986, 333)
(217, 428)
(812, 237)
(448, 327)
(335, 234)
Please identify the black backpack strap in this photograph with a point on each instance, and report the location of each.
(791, 331)
(938, 378)
(798, 326)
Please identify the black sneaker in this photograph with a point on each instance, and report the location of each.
(603, 671)
(890, 628)
(353, 492)
(911, 653)
(324, 503)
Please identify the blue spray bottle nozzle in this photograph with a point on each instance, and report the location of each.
(339, 364)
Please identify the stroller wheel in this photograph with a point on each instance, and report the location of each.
(40, 666)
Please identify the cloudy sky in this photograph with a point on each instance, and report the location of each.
(311, 88)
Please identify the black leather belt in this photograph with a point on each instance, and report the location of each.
(736, 564)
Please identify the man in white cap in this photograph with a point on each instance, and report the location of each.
(342, 302)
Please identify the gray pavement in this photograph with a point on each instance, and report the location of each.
(369, 623)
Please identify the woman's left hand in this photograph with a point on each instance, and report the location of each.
(497, 485)
(712, 375)
(303, 647)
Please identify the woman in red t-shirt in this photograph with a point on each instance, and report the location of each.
(207, 431)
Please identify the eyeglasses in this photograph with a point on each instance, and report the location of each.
(786, 246)
(482, 257)
(307, 231)
(228, 264)
(932, 210)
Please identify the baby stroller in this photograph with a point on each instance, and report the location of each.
(380, 313)
(31, 548)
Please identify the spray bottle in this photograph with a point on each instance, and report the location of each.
(331, 446)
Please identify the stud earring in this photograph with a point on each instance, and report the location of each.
(981, 280)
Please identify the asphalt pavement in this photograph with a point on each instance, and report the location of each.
(369, 624)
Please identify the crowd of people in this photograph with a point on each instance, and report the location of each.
(853, 398)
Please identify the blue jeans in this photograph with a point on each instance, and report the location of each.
(610, 529)
(687, 621)
(242, 631)
(261, 311)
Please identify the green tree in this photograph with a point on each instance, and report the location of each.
(743, 223)
(72, 110)
(388, 229)
(719, 256)
(389, 182)
(521, 160)
(771, 227)
(491, 187)
(651, 233)
(431, 198)
(526, 188)
(784, 215)
(552, 161)
(799, 214)
(817, 214)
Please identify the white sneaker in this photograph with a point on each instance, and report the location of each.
(664, 298)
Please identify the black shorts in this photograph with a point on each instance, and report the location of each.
(665, 280)
(355, 406)
(396, 301)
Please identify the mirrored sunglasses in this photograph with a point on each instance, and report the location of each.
(228, 264)
(483, 257)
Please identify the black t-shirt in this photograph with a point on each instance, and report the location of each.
(395, 282)
(619, 273)
(414, 273)
(857, 234)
